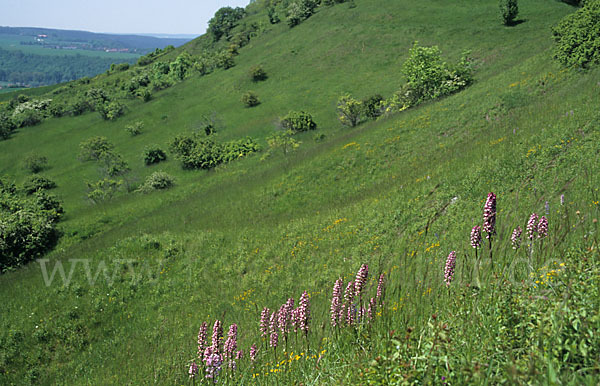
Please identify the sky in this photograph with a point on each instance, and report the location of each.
(115, 16)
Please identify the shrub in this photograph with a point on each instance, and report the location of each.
(250, 99)
(28, 225)
(35, 183)
(429, 77)
(113, 165)
(154, 155)
(135, 128)
(257, 73)
(103, 189)
(508, 11)
(298, 121)
(35, 163)
(300, 10)
(283, 141)
(121, 67)
(145, 94)
(111, 110)
(28, 117)
(349, 110)
(195, 152)
(577, 38)
(7, 126)
(233, 150)
(372, 106)
(93, 148)
(157, 181)
(224, 20)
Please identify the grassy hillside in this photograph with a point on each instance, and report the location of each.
(397, 194)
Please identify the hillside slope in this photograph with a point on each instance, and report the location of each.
(398, 194)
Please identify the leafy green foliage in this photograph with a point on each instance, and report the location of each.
(35, 183)
(196, 151)
(373, 106)
(103, 189)
(27, 225)
(429, 77)
(154, 155)
(298, 121)
(577, 38)
(35, 163)
(281, 140)
(236, 149)
(7, 125)
(350, 110)
(509, 9)
(258, 73)
(157, 181)
(110, 111)
(300, 10)
(135, 128)
(224, 20)
(250, 99)
(94, 148)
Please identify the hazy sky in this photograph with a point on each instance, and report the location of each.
(118, 16)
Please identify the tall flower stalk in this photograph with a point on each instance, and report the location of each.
(489, 219)
(476, 244)
(449, 268)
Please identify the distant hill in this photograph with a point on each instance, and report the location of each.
(47, 37)
(31, 57)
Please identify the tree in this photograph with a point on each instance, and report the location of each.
(224, 20)
(349, 110)
(508, 11)
(297, 121)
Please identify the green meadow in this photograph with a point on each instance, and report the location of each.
(398, 193)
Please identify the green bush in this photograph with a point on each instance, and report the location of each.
(103, 189)
(350, 110)
(27, 225)
(429, 77)
(157, 181)
(196, 151)
(233, 150)
(7, 126)
(35, 183)
(135, 128)
(154, 155)
(257, 73)
(577, 37)
(300, 10)
(29, 117)
(111, 110)
(35, 163)
(250, 99)
(113, 165)
(298, 121)
(224, 20)
(372, 106)
(509, 10)
(93, 148)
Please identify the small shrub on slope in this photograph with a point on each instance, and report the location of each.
(35, 163)
(429, 77)
(508, 11)
(250, 99)
(157, 181)
(298, 121)
(577, 37)
(27, 225)
(154, 155)
(35, 183)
